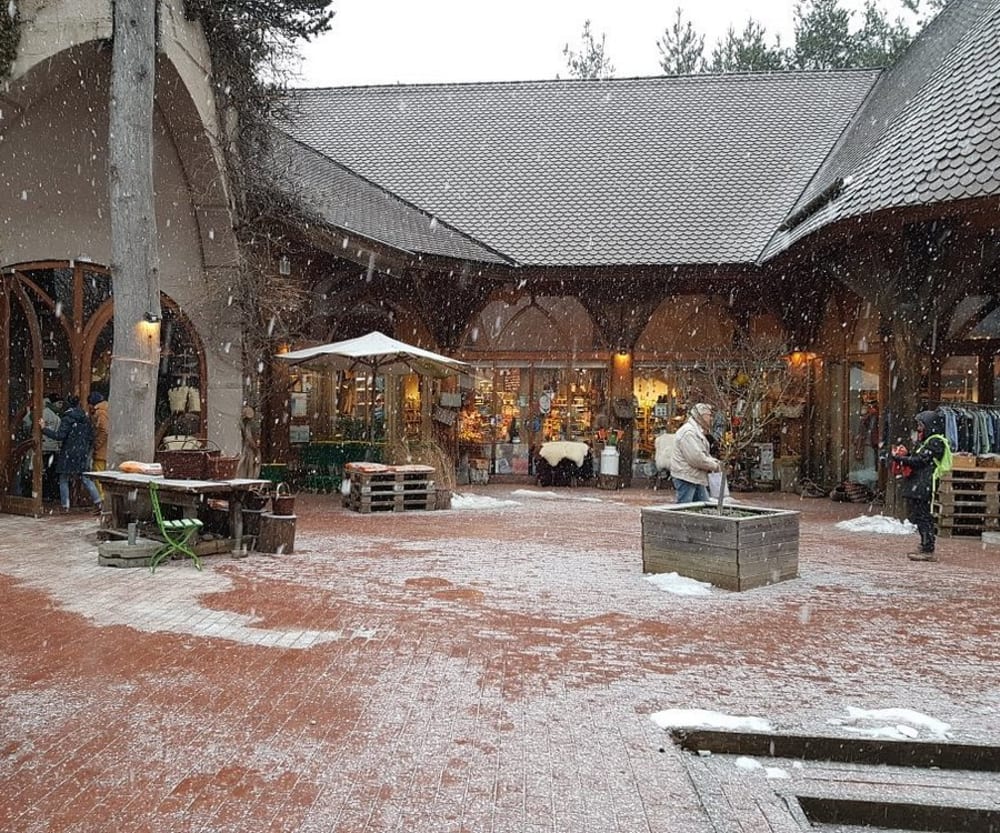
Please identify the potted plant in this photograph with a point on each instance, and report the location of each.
(733, 546)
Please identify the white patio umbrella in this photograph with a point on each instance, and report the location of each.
(376, 354)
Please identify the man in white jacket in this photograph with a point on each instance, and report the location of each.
(690, 461)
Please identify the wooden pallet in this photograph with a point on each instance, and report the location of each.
(967, 502)
(391, 488)
(393, 502)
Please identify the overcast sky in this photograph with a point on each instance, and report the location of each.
(429, 41)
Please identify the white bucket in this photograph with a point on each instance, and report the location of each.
(609, 461)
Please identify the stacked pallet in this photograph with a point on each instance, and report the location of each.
(967, 501)
(379, 488)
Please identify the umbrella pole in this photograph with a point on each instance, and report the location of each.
(369, 452)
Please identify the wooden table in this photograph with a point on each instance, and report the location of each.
(127, 495)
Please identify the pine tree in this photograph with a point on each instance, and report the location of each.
(747, 52)
(682, 50)
(879, 42)
(823, 37)
(591, 61)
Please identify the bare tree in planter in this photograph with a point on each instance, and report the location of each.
(750, 384)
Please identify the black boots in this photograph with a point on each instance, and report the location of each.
(926, 552)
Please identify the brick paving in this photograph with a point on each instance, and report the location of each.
(484, 670)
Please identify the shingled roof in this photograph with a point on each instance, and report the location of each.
(929, 132)
(672, 170)
(340, 198)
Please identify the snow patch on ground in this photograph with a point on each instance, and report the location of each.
(705, 719)
(69, 572)
(470, 501)
(881, 524)
(903, 724)
(679, 585)
(567, 495)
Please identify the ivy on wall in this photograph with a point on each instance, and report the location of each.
(10, 36)
(251, 43)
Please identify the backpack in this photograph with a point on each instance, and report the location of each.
(942, 466)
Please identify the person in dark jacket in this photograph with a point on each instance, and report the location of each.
(76, 437)
(919, 481)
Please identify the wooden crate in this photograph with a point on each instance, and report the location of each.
(967, 502)
(391, 488)
(734, 552)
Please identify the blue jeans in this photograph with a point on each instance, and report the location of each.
(88, 484)
(689, 492)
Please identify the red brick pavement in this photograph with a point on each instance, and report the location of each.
(483, 670)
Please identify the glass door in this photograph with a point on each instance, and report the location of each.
(55, 339)
(21, 461)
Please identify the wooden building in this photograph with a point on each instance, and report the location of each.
(583, 244)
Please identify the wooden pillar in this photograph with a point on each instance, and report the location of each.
(621, 389)
(426, 394)
(984, 375)
(275, 445)
(392, 406)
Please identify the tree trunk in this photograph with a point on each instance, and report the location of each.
(134, 260)
(903, 400)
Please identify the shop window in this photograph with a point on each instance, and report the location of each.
(575, 399)
(658, 394)
(178, 392)
(960, 379)
(23, 459)
(410, 386)
(510, 410)
(864, 424)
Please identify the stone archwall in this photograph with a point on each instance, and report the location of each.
(54, 163)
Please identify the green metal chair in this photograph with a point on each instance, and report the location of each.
(177, 534)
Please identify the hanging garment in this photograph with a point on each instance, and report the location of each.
(178, 397)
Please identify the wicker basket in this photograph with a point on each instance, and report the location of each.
(186, 463)
(221, 467)
(282, 501)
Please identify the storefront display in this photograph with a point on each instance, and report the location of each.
(514, 409)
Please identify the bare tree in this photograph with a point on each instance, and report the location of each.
(134, 259)
(749, 385)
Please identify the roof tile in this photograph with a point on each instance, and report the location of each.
(691, 169)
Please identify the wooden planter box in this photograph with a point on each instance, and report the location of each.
(734, 552)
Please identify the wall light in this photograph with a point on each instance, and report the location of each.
(151, 318)
(798, 358)
(284, 266)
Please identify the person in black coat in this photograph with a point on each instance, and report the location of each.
(76, 437)
(920, 478)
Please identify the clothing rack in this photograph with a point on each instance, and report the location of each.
(972, 427)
